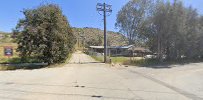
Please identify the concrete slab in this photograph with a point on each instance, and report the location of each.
(85, 79)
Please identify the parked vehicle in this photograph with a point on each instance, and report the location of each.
(150, 56)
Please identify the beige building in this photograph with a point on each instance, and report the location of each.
(129, 50)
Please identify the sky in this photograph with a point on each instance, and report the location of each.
(80, 13)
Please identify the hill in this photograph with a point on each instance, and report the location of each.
(95, 37)
(5, 37)
(88, 36)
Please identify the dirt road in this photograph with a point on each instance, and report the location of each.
(85, 79)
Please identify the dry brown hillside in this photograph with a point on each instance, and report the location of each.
(94, 37)
(5, 37)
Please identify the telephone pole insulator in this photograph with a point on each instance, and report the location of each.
(105, 8)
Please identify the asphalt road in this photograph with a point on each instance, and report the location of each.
(85, 79)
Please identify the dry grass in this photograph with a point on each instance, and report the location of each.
(4, 68)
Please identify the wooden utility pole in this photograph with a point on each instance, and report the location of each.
(105, 9)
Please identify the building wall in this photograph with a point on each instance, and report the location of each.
(94, 52)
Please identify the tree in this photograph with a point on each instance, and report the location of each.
(170, 30)
(169, 22)
(132, 17)
(175, 28)
(45, 33)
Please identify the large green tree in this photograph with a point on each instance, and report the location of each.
(132, 17)
(176, 29)
(45, 33)
(169, 29)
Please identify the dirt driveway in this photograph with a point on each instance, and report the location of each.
(86, 79)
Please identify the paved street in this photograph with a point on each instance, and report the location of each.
(85, 79)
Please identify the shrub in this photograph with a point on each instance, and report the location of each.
(45, 34)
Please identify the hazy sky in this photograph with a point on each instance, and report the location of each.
(80, 13)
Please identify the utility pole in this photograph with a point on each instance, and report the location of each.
(105, 8)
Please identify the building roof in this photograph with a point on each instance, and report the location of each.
(129, 47)
(97, 47)
(139, 49)
(126, 47)
(112, 47)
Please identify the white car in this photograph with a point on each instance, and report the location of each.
(150, 56)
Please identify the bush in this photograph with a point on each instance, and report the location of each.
(45, 34)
